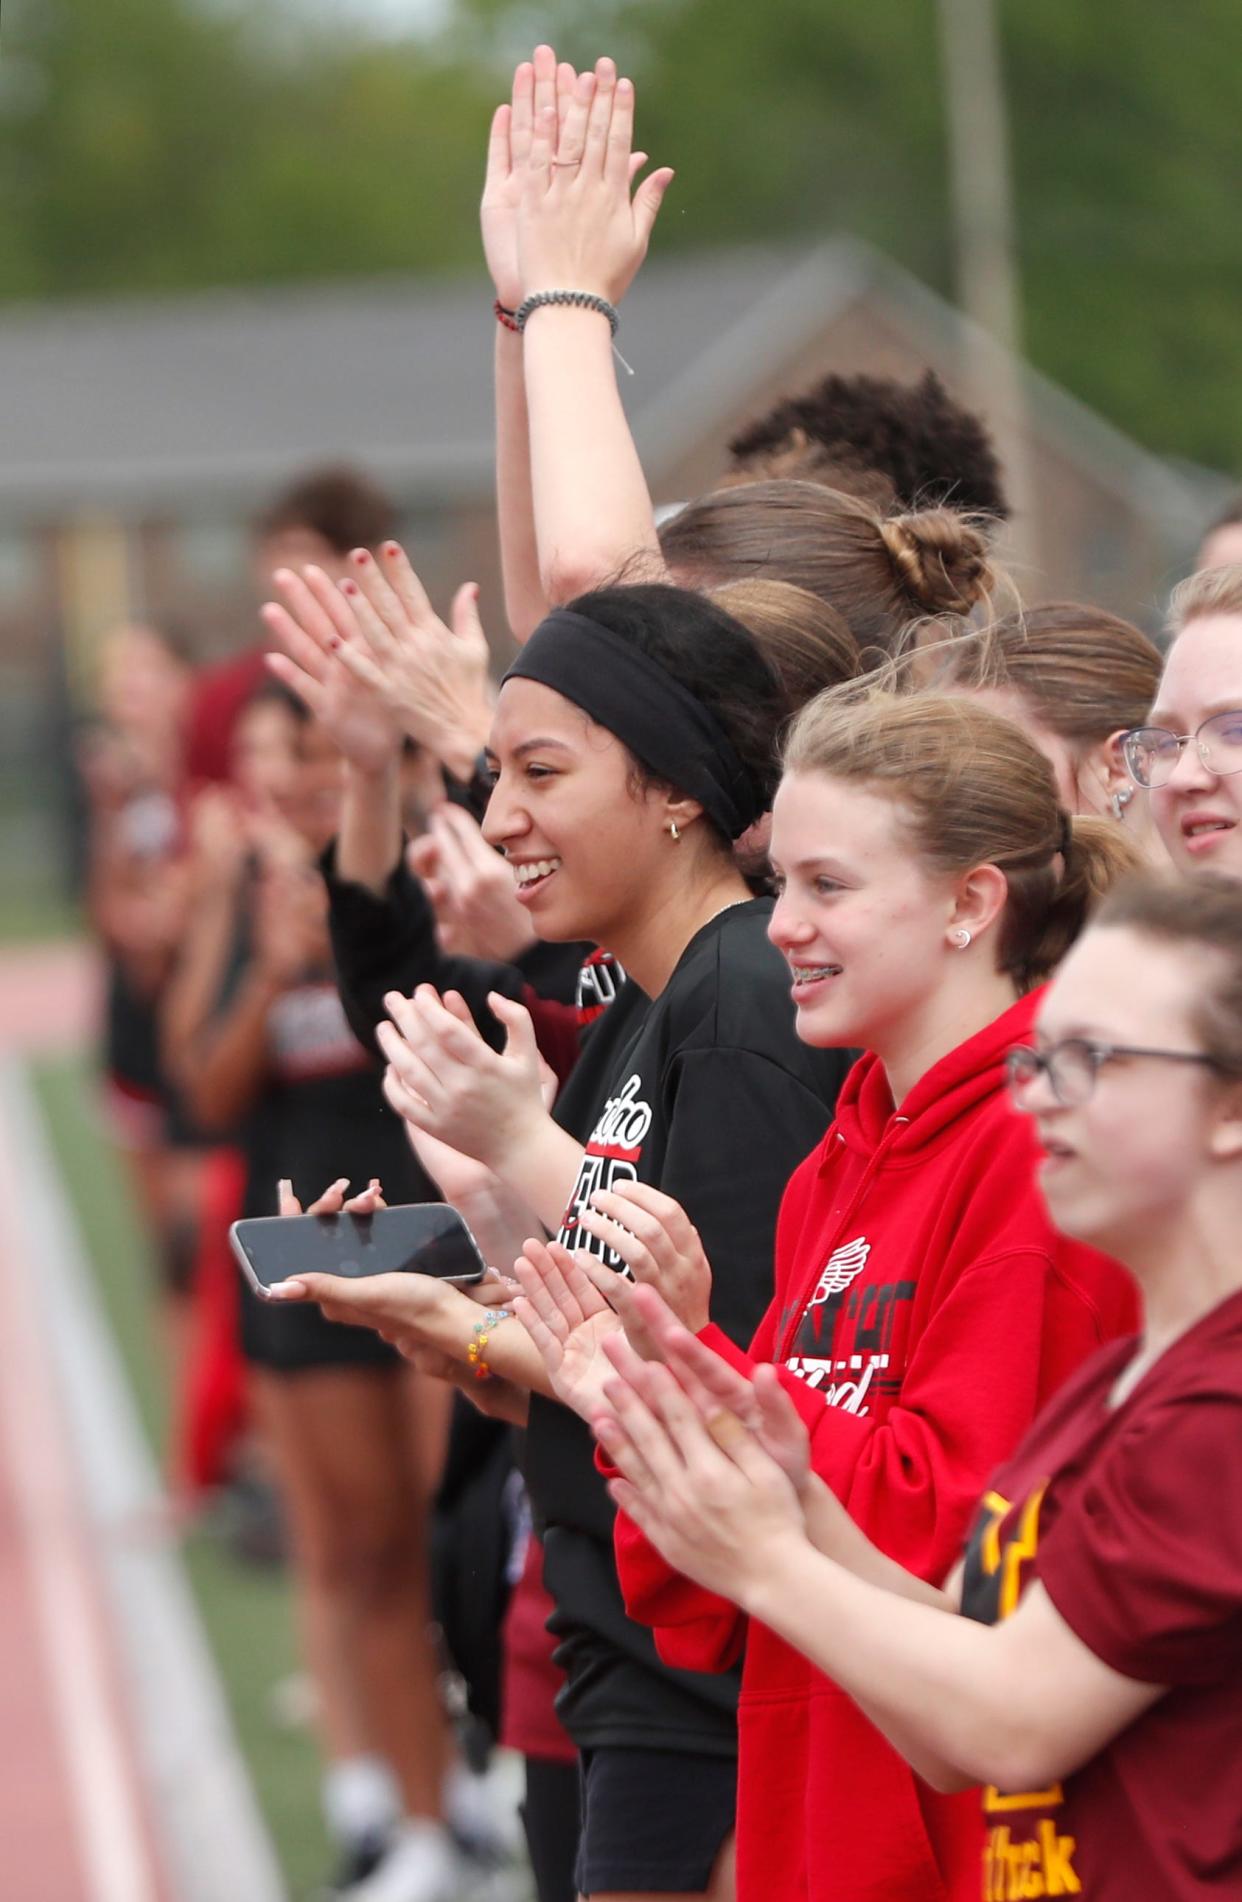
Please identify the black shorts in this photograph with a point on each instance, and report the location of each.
(653, 1820)
(292, 1340)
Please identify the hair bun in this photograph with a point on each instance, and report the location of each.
(941, 559)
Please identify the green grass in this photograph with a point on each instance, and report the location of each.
(35, 912)
(246, 1611)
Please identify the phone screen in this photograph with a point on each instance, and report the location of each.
(425, 1238)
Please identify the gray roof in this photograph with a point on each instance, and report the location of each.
(139, 403)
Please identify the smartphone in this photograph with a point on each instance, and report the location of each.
(422, 1238)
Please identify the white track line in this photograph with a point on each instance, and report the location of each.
(50, 1511)
(214, 1845)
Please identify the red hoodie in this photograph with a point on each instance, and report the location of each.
(924, 1311)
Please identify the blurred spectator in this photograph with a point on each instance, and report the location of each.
(319, 518)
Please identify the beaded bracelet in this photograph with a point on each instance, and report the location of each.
(505, 316)
(480, 1336)
(581, 300)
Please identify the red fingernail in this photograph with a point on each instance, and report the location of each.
(335, 641)
(350, 587)
(392, 548)
(361, 556)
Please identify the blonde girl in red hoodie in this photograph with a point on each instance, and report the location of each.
(924, 1306)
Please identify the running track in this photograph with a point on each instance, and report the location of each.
(119, 1779)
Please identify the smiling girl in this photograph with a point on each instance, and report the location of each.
(1094, 1685)
(924, 1307)
(1189, 750)
(633, 743)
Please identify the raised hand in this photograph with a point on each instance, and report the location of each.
(431, 677)
(316, 630)
(658, 1243)
(538, 82)
(568, 1321)
(578, 228)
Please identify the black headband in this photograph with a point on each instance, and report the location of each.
(666, 728)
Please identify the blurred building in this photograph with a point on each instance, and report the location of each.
(139, 436)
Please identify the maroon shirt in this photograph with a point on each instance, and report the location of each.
(1131, 1518)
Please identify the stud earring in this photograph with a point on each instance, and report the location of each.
(961, 937)
(1120, 800)
(673, 832)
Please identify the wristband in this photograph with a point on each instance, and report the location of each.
(580, 300)
(480, 1335)
(505, 316)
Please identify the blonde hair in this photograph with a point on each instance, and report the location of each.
(974, 790)
(806, 643)
(880, 572)
(1210, 591)
(1084, 673)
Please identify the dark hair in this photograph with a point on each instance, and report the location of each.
(974, 790)
(274, 693)
(846, 431)
(712, 656)
(1084, 673)
(339, 504)
(1202, 910)
(881, 573)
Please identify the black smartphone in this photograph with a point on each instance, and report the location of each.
(420, 1238)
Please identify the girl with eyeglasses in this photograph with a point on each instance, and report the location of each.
(1187, 756)
(1093, 1686)
(924, 1308)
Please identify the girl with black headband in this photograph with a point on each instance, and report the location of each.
(634, 741)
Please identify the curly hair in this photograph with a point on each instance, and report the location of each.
(906, 444)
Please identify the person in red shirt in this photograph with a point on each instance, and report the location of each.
(319, 518)
(1094, 1684)
(924, 1307)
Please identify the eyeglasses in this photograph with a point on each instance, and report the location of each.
(1151, 753)
(1072, 1066)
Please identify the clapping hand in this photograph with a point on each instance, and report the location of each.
(443, 1078)
(318, 634)
(657, 1241)
(568, 1321)
(471, 888)
(431, 675)
(699, 1484)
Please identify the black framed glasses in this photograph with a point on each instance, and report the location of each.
(1072, 1066)
(1151, 753)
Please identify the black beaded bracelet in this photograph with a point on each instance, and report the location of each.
(581, 300)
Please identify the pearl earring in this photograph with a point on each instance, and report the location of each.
(1121, 799)
(961, 938)
(673, 832)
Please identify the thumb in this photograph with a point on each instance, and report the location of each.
(465, 614)
(519, 1029)
(780, 1420)
(648, 199)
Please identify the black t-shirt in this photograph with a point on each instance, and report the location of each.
(707, 1094)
